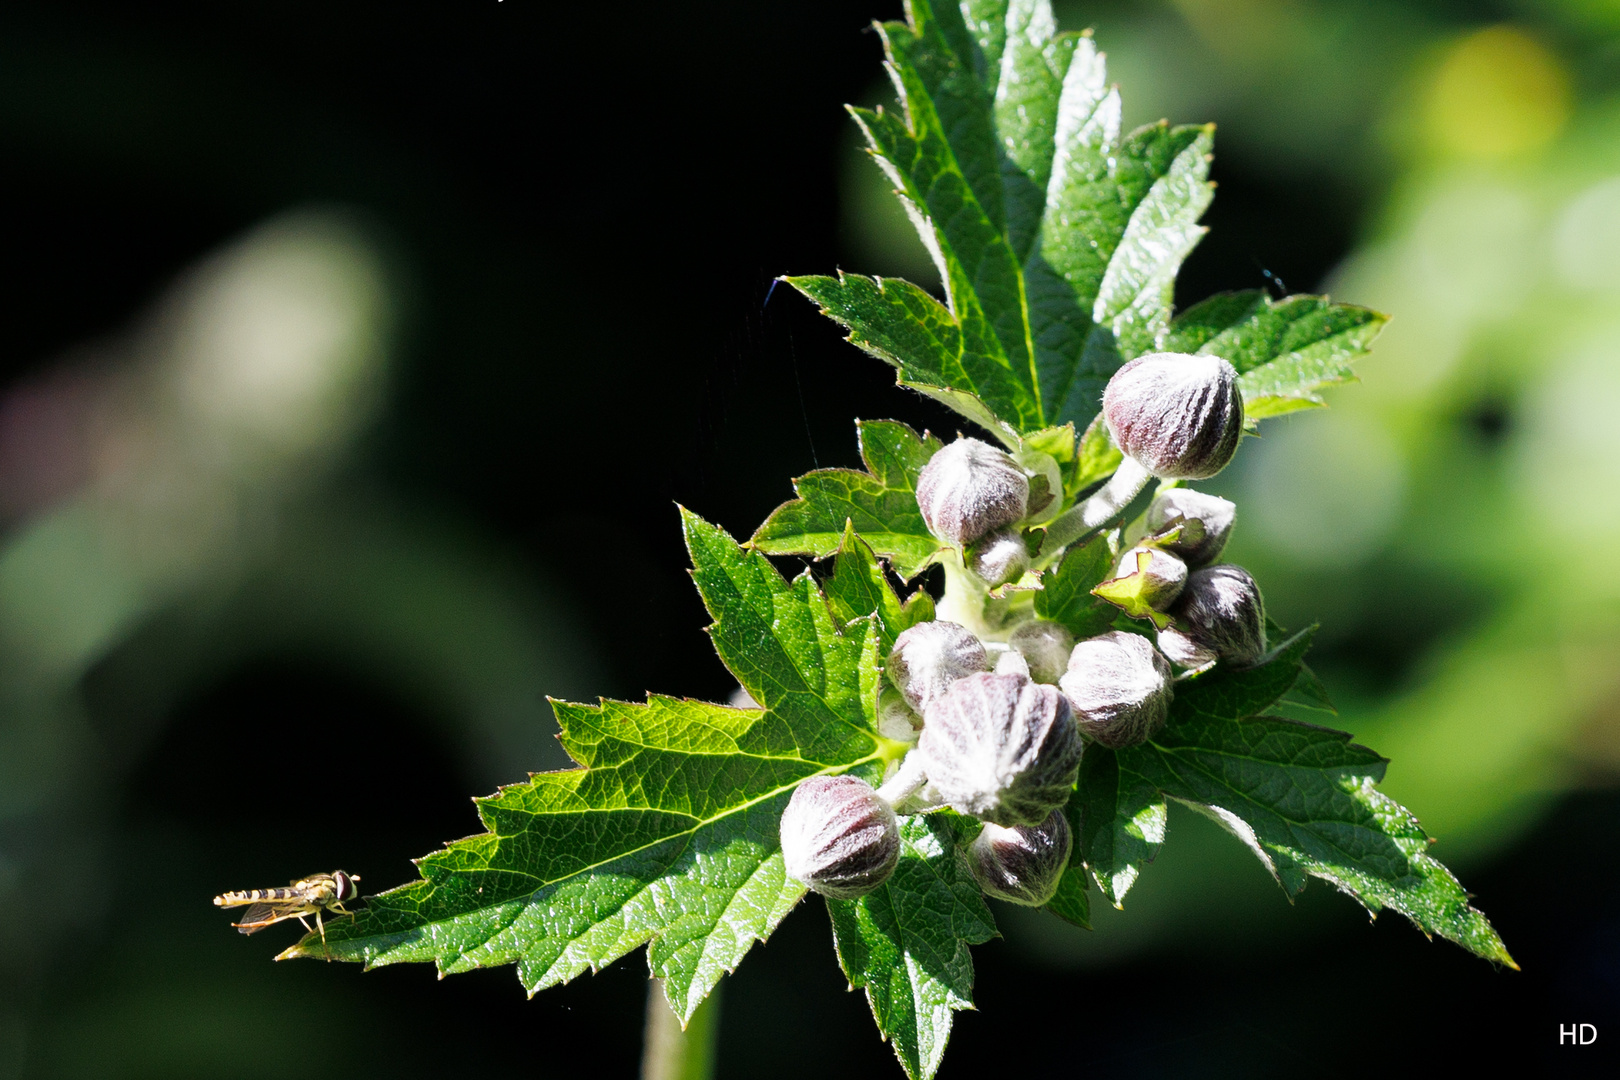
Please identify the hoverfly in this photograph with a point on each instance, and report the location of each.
(313, 895)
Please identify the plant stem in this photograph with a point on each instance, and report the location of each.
(668, 1053)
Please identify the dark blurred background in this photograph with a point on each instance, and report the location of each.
(356, 354)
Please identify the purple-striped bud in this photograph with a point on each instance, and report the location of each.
(1179, 415)
(929, 657)
(1205, 522)
(1219, 616)
(1022, 864)
(969, 489)
(838, 837)
(1001, 748)
(1000, 557)
(1119, 688)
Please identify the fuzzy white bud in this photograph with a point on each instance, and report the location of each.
(1022, 864)
(1219, 616)
(1001, 748)
(895, 718)
(1000, 557)
(1045, 647)
(1178, 415)
(1206, 522)
(929, 657)
(1119, 688)
(970, 488)
(838, 837)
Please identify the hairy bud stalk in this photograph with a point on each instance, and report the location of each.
(1219, 616)
(1022, 864)
(929, 657)
(838, 837)
(1001, 748)
(1205, 523)
(1179, 415)
(1119, 688)
(970, 489)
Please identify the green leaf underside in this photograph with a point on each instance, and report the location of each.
(667, 834)
(907, 942)
(1066, 595)
(1300, 796)
(881, 503)
(1285, 351)
(1058, 238)
(1130, 594)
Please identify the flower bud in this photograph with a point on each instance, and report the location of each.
(895, 718)
(1000, 557)
(1011, 662)
(838, 837)
(1023, 864)
(969, 489)
(1206, 522)
(1179, 415)
(1001, 748)
(929, 657)
(1219, 616)
(1119, 688)
(1045, 647)
(1162, 574)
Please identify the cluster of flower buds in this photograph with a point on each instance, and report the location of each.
(1000, 728)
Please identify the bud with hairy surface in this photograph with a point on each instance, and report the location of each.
(929, 657)
(1162, 574)
(1001, 748)
(1022, 864)
(1178, 415)
(1205, 523)
(838, 837)
(1219, 616)
(1000, 557)
(1119, 688)
(969, 489)
(1045, 647)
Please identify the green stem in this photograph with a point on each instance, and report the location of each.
(670, 1053)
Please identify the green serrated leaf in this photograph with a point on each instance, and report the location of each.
(1308, 692)
(881, 503)
(667, 833)
(1066, 592)
(1285, 350)
(858, 588)
(907, 943)
(1058, 240)
(1122, 821)
(1303, 798)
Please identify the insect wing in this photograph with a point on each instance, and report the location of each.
(261, 915)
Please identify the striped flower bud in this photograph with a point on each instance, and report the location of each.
(1162, 574)
(1001, 748)
(969, 489)
(1205, 520)
(1000, 557)
(1219, 616)
(1119, 688)
(1022, 864)
(1045, 647)
(1178, 415)
(929, 657)
(838, 837)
